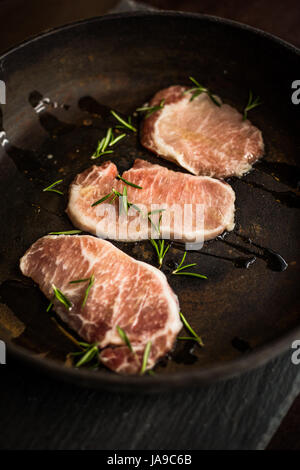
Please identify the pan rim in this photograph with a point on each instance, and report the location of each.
(148, 384)
(164, 13)
(184, 378)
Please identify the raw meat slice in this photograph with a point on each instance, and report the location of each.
(196, 208)
(126, 293)
(200, 136)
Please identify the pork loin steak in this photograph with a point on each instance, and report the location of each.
(200, 136)
(196, 208)
(126, 293)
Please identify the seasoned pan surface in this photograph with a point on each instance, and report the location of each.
(60, 89)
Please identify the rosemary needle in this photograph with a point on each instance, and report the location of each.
(69, 232)
(108, 141)
(151, 109)
(77, 281)
(180, 270)
(123, 122)
(88, 355)
(124, 337)
(61, 297)
(198, 90)
(117, 139)
(51, 186)
(146, 357)
(188, 326)
(128, 182)
(102, 199)
(125, 200)
(91, 282)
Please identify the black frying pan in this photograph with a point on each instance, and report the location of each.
(245, 316)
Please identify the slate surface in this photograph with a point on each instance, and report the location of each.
(41, 413)
(243, 413)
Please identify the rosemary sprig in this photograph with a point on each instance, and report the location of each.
(103, 144)
(252, 103)
(128, 182)
(124, 337)
(198, 90)
(124, 124)
(50, 188)
(69, 232)
(160, 250)
(180, 267)
(188, 327)
(151, 109)
(145, 357)
(91, 282)
(61, 297)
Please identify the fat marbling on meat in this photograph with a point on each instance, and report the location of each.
(200, 136)
(196, 208)
(126, 293)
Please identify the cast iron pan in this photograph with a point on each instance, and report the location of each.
(245, 316)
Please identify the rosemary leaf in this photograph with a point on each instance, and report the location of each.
(91, 282)
(88, 356)
(125, 200)
(186, 338)
(151, 109)
(100, 154)
(76, 281)
(102, 199)
(124, 337)
(188, 326)
(128, 182)
(130, 204)
(145, 357)
(157, 211)
(107, 139)
(183, 258)
(61, 297)
(69, 232)
(50, 188)
(180, 268)
(117, 139)
(190, 274)
(184, 267)
(123, 122)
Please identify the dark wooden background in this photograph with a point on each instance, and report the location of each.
(22, 19)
